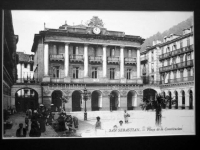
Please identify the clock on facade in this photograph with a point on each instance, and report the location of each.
(96, 30)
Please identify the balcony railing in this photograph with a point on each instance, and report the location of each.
(180, 65)
(144, 59)
(164, 56)
(185, 79)
(25, 80)
(59, 57)
(95, 59)
(177, 52)
(76, 58)
(149, 80)
(129, 60)
(57, 80)
(114, 60)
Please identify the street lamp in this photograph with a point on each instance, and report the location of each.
(86, 94)
(111, 97)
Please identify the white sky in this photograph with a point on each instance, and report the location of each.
(139, 23)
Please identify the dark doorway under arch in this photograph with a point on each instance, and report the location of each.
(149, 95)
(183, 99)
(131, 98)
(114, 100)
(190, 99)
(56, 100)
(176, 99)
(76, 101)
(26, 98)
(96, 95)
(170, 101)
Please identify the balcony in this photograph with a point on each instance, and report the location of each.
(25, 80)
(57, 80)
(185, 79)
(144, 59)
(129, 60)
(59, 57)
(144, 71)
(113, 60)
(180, 65)
(165, 56)
(95, 59)
(76, 58)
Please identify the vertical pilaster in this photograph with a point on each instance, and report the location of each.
(85, 60)
(121, 62)
(66, 59)
(138, 63)
(46, 59)
(104, 62)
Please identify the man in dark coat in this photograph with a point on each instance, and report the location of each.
(21, 132)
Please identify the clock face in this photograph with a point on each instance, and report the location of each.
(96, 30)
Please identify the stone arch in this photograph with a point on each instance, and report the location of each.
(131, 100)
(96, 100)
(183, 99)
(26, 98)
(114, 100)
(77, 100)
(190, 99)
(176, 99)
(170, 99)
(56, 96)
(149, 94)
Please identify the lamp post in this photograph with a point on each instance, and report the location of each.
(86, 95)
(111, 97)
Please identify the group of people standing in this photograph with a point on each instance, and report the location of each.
(39, 119)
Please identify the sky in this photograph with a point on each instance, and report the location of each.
(140, 23)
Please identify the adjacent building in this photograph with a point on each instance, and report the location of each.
(10, 58)
(170, 65)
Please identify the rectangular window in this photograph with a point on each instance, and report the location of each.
(112, 73)
(152, 68)
(168, 62)
(189, 72)
(188, 41)
(25, 65)
(129, 74)
(152, 56)
(181, 44)
(174, 75)
(94, 73)
(75, 72)
(56, 71)
(31, 69)
(129, 53)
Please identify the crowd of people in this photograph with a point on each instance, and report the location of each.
(42, 117)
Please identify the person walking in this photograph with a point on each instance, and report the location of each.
(126, 115)
(21, 132)
(98, 123)
(35, 131)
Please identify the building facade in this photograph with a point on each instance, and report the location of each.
(10, 58)
(106, 62)
(174, 67)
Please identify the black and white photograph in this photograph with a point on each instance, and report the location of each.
(95, 73)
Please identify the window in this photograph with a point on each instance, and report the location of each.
(168, 62)
(189, 72)
(152, 68)
(174, 75)
(129, 74)
(75, 50)
(56, 71)
(152, 79)
(25, 65)
(112, 52)
(181, 74)
(31, 69)
(174, 47)
(129, 53)
(112, 73)
(152, 56)
(174, 60)
(188, 41)
(94, 73)
(181, 44)
(75, 72)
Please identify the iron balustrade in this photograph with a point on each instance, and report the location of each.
(177, 52)
(76, 58)
(180, 65)
(113, 59)
(93, 59)
(57, 80)
(57, 57)
(144, 58)
(129, 60)
(184, 79)
(28, 80)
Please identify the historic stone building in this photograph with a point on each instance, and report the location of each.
(106, 62)
(10, 58)
(173, 67)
